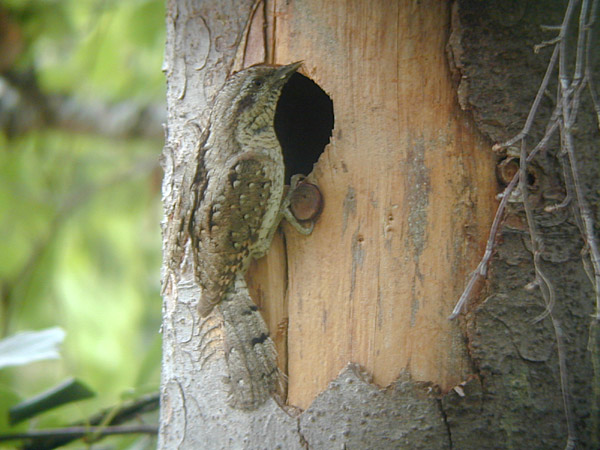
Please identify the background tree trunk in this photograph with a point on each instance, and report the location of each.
(409, 187)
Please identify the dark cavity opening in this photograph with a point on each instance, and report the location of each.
(508, 167)
(303, 124)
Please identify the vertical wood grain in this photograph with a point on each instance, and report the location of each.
(409, 195)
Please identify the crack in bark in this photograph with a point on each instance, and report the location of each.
(446, 424)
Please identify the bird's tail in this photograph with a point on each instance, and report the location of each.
(249, 351)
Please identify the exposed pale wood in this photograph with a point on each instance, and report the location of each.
(408, 187)
(267, 282)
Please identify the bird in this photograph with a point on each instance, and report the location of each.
(239, 196)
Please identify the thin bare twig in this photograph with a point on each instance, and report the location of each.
(537, 244)
(79, 432)
(585, 221)
(534, 107)
(562, 60)
(549, 296)
(588, 61)
(581, 36)
(564, 382)
(94, 425)
(481, 269)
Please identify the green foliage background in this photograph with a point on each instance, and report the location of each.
(80, 213)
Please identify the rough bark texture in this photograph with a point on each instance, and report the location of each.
(409, 193)
(356, 414)
(516, 399)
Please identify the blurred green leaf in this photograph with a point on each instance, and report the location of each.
(31, 346)
(67, 392)
(8, 398)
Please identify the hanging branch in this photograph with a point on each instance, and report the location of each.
(564, 115)
(568, 100)
(71, 433)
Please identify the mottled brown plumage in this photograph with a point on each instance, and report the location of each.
(239, 184)
(238, 200)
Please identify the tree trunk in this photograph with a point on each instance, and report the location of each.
(409, 187)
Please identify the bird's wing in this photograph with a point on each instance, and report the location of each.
(229, 219)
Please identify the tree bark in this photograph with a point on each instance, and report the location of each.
(409, 186)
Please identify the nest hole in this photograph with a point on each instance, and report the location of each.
(508, 167)
(303, 124)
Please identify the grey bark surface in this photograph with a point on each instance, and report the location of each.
(513, 398)
(355, 414)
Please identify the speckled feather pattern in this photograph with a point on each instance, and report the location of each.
(249, 351)
(237, 205)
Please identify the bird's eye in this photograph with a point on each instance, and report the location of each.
(258, 82)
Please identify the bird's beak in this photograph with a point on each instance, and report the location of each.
(285, 72)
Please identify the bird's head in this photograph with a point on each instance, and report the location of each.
(249, 98)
